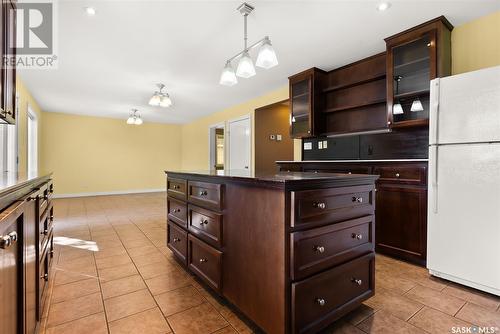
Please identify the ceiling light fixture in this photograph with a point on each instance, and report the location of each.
(90, 11)
(159, 98)
(383, 6)
(134, 118)
(266, 57)
(416, 105)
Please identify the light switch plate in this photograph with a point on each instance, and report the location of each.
(278, 137)
(320, 145)
(325, 143)
(308, 146)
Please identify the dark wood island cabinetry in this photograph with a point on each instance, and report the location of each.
(292, 251)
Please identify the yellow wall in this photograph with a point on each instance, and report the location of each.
(26, 99)
(93, 154)
(476, 44)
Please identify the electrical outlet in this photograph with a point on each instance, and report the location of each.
(325, 144)
(320, 145)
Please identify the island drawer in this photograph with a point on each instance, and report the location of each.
(321, 248)
(206, 225)
(205, 194)
(402, 174)
(176, 188)
(324, 206)
(177, 211)
(177, 241)
(206, 262)
(315, 303)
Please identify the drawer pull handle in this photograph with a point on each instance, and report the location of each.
(357, 236)
(176, 210)
(357, 199)
(44, 232)
(204, 222)
(320, 301)
(8, 240)
(319, 249)
(397, 175)
(203, 193)
(176, 187)
(203, 260)
(320, 205)
(45, 277)
(176, 240)
(51, 218)
(357, 281)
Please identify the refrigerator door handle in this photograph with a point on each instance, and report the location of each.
(434, 112)
(434, 159)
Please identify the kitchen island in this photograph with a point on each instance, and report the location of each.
(292, 251)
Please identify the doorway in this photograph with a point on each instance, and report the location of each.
(217, 142)
(239, 142)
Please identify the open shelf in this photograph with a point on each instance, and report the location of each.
(300, 95)
(413, 66)
(352, 84)
(411, 123)
(354, 106)
(411, 94)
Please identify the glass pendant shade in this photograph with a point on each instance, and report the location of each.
(165, 101)
(155, 100)
(266, 57)
(397, 109)
(416, 106)
(245, 66)
(131, 120)
(138, 121)
(228, 77)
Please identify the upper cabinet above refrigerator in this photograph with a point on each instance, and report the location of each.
(414, 58)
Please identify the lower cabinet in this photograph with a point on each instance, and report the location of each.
(206, 262)
(401, 216)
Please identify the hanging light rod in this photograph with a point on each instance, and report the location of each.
(265, 59)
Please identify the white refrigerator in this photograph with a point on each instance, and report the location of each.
(463, 233)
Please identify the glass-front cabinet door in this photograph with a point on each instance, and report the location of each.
(300, 106)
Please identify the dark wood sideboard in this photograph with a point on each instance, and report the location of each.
(26, 251)
(292, 251)
(401, 202)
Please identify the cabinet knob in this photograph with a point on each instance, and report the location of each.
(176, 239)
(320, 205)
(320, 301)
(204, 222)
(8, 240)
(45, 232)
(309, 131)
(357, 281)
(45, 277)
(357, 199)
(203, 260)
(176, 187)
(203, 193)
(176, 210)
(319, 249)
(357, 236)
(349, 173)
(397, 175)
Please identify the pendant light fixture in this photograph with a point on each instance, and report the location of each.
(416, 105)
(397, 108)
(134, 118)
(266, 57)
(159, 98)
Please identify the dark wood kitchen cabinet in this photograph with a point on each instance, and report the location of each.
(8, 72)
(293, 254)
(306, 103)
(20, 261)
(414, 57)
(401, 202)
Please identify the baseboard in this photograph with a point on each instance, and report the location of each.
(107, 193)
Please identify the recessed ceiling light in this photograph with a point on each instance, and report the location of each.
(90, 11)
(383, 6)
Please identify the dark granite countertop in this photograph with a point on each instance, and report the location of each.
(10, 182)
(280, 178)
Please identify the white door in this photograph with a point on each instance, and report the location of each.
(239, 144)
(32, 143)
(464, 214)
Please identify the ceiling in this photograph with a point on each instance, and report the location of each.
(111, 62)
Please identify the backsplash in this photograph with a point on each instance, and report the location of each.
(408, 144)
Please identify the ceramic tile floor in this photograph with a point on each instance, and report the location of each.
(112, 273)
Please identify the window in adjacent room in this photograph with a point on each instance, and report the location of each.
(32, 142)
